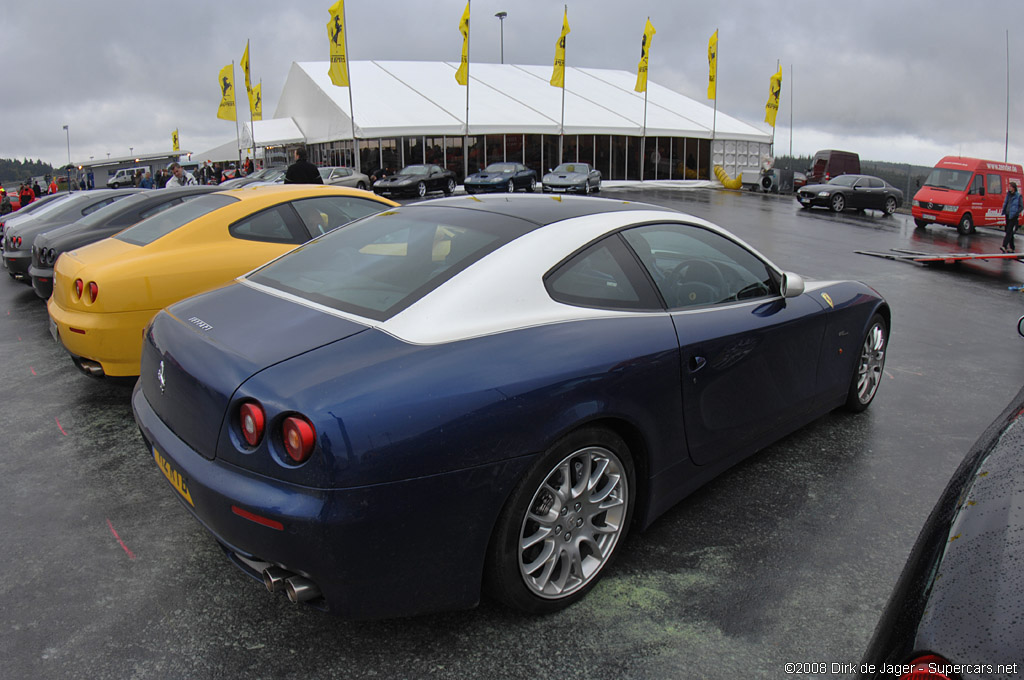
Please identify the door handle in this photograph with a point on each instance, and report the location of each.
(697, 363)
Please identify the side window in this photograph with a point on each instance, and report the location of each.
(96, 206)
(322, 214)
(694, 266)
(976, 185)
(876, 183)
(160, 208)
(269, 225)
(995, 184)
(600, 277)
(863, 183)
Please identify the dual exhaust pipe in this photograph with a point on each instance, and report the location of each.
(298, 588)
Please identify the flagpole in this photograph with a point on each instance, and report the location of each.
(643, 139)
(248, 95)
(238, 139)
(561, 126)
(351, 109)
(714, 117)
(465, 136)
(771, 144)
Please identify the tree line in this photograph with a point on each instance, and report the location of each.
(13, 170)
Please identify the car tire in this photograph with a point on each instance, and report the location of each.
(586, 187)
(361, 186)
(890, 205)
(532, 186)
(575, 503)
(421, 189)
(867, 372)
(511, 188)
(837, 203)
(114, 185)
(966, 225)
(449, 187)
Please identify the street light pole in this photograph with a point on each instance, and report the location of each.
(68, 133)
(501, 22)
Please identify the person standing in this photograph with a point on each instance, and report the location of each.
(1012, 206)
(180, 178)
(26, 195)
(37, 190)
(302, 171)
(53, 186)
(147, 181)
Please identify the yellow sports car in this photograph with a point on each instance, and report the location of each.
(105, 293)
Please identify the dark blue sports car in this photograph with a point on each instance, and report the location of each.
(486, 393)
(501, 177)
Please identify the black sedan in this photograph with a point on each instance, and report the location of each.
(416, 180)
(99, 225)
(857, 192)
(505, 177)
(958, 608)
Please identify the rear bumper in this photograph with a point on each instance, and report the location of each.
(114, 340)
(42, 281)
(394, 549)
(17, 262)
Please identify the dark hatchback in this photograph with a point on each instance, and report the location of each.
(99, 225)
(857, 192)
(957, 610)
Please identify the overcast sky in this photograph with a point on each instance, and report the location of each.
(895, 80)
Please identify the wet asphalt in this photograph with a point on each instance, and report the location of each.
(787, 558)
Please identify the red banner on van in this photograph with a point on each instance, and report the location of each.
(964, 193)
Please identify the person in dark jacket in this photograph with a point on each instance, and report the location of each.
(302, 171)
(1012, 206)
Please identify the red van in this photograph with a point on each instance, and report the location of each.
(964, 192)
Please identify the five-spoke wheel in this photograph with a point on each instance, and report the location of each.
(867, 373)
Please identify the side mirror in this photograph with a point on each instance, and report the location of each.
(792, 285)
(1020, 326)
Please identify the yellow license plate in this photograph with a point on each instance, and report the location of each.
(173, 476)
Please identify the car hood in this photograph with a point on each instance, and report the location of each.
(936, 195)
(979, 577)
(492, 176)
(565, 176)
(401, 179)
(198, 351)
(821, 187)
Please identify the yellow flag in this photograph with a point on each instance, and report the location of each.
(462, 75)
(245, 69)
(645, 49)
(558, 75)
(712, 63)
(174, 141)
(336, 34)
(256, 102)
(771, 109)
(226, 80)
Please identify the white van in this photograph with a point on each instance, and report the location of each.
(124, 177)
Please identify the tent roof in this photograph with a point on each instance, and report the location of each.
(396, 98)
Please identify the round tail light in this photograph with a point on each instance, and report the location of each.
(926, 668)
(79, 287)
(94, 291)
(252, 420)
(299, 438)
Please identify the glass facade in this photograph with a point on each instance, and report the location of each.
(616, 156)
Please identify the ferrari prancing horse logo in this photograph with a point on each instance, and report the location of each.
(826, 298)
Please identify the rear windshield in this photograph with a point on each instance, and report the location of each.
(945, 178)
(163, 223)
(380, 265)
(107, 211)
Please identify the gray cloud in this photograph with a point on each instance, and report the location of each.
(125, 73)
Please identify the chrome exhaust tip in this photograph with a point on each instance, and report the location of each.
(90, 367)
(301, 589)
(274, 578)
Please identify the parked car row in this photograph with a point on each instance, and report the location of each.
(514, 361)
